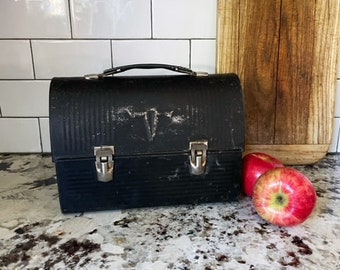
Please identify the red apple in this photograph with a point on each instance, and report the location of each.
(254, 165)
(284, 197)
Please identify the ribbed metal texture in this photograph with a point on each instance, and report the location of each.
(148, 181)
(150, 121)
(145, 115)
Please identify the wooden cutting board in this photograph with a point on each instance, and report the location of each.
(285, 52)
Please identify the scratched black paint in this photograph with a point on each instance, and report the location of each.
(150, 121)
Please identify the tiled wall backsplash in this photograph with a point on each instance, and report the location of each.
(43, 39)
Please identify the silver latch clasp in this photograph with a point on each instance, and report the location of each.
(104, 162)
(198, 156)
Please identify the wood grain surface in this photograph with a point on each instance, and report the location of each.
(285, 53)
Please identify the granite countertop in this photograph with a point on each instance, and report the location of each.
(36, 235)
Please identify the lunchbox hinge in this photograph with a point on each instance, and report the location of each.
(198, 156)
(104, 162)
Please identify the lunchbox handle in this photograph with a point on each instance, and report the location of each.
(120, 69)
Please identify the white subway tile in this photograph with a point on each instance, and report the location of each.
(111, 18)
(45, 135)
(15, 59)
(19, 135)
(203, 55)
(335, 147)
(184, 19)
(337, 99)
(127, 52)
(24, 98)
(34, 19)
(53, 58)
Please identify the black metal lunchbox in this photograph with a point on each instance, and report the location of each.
(139, 141)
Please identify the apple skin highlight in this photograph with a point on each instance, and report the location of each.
(284, 197)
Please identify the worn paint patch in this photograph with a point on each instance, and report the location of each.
(151, 118)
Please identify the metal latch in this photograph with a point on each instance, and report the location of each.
(104, 162)
(198, 156)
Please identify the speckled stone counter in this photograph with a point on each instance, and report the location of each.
(34, 234)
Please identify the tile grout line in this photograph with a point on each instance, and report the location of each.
(151, 18)
(32, 59)
(70, 18)
(22, 80)
(40, 135)
(24, 117)
(111, 53)
(110, 38)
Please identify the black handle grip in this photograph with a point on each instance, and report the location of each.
(115, 70)
(120, 69)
